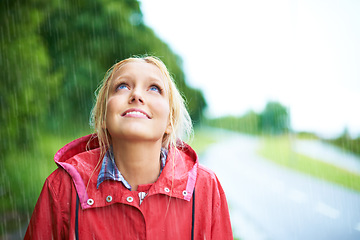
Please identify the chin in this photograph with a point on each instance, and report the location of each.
(136, 135)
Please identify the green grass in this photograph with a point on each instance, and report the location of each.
(203, 138)
(279, 150)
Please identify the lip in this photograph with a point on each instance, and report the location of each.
(135, 110)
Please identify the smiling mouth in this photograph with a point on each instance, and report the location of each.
(135, 114)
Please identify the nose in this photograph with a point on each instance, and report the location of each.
(136, 96)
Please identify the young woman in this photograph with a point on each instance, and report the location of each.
(134, 178)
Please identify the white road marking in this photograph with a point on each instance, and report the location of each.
(327, 210)
(357, 227)
(298, 196)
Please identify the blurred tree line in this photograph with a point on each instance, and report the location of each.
(53, 54)
(274, 119)
(346, 142)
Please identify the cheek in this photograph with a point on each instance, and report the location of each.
(163, 108)
(110, 110)
(112, 104)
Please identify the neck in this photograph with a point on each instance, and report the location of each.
(139, 163)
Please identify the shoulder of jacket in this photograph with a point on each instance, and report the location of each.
(58, 182)
(207, 175)
(59, 176)
(208, 183)
(206, 171)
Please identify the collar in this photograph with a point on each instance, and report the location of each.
(109, 170)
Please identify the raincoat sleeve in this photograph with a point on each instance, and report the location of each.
(221, 226)
(47, 219)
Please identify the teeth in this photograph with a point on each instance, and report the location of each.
(136, 113)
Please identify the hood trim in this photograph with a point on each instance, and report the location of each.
(70, 150)
(78, 182)
(190, 186)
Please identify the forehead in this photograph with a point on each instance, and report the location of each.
(139, 69)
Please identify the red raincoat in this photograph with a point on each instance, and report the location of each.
(114, 212)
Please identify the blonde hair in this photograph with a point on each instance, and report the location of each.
(180, 121)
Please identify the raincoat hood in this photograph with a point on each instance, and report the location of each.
(81, 160)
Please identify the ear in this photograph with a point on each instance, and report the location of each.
(168, 129)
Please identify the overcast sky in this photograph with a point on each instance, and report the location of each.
(242, 54)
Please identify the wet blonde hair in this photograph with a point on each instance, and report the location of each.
(180, 121)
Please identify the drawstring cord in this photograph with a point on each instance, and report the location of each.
(193, 216)
(77, 218)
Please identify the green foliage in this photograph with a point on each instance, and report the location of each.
(195, 103)
(347, 143)
(274, 119)
(307, 135)
(248, 123)
(204, 137)
(22, 176)
(24, 67)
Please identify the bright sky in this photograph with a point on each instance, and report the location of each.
(304, 54)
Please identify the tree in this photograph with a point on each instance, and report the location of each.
(274, 119)
(24, 72)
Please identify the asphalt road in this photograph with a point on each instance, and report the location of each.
(268, 201)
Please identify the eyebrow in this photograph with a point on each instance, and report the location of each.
(127, 76)
(121, 76)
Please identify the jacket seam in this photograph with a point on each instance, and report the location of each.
(56, 200)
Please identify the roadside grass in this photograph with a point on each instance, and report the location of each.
(279, 150)
(203, 138)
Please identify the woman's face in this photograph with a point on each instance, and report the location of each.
(138, 103)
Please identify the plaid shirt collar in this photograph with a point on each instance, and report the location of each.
(109, 170)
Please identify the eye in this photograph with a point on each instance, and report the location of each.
(155, 88)
(122, 86)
